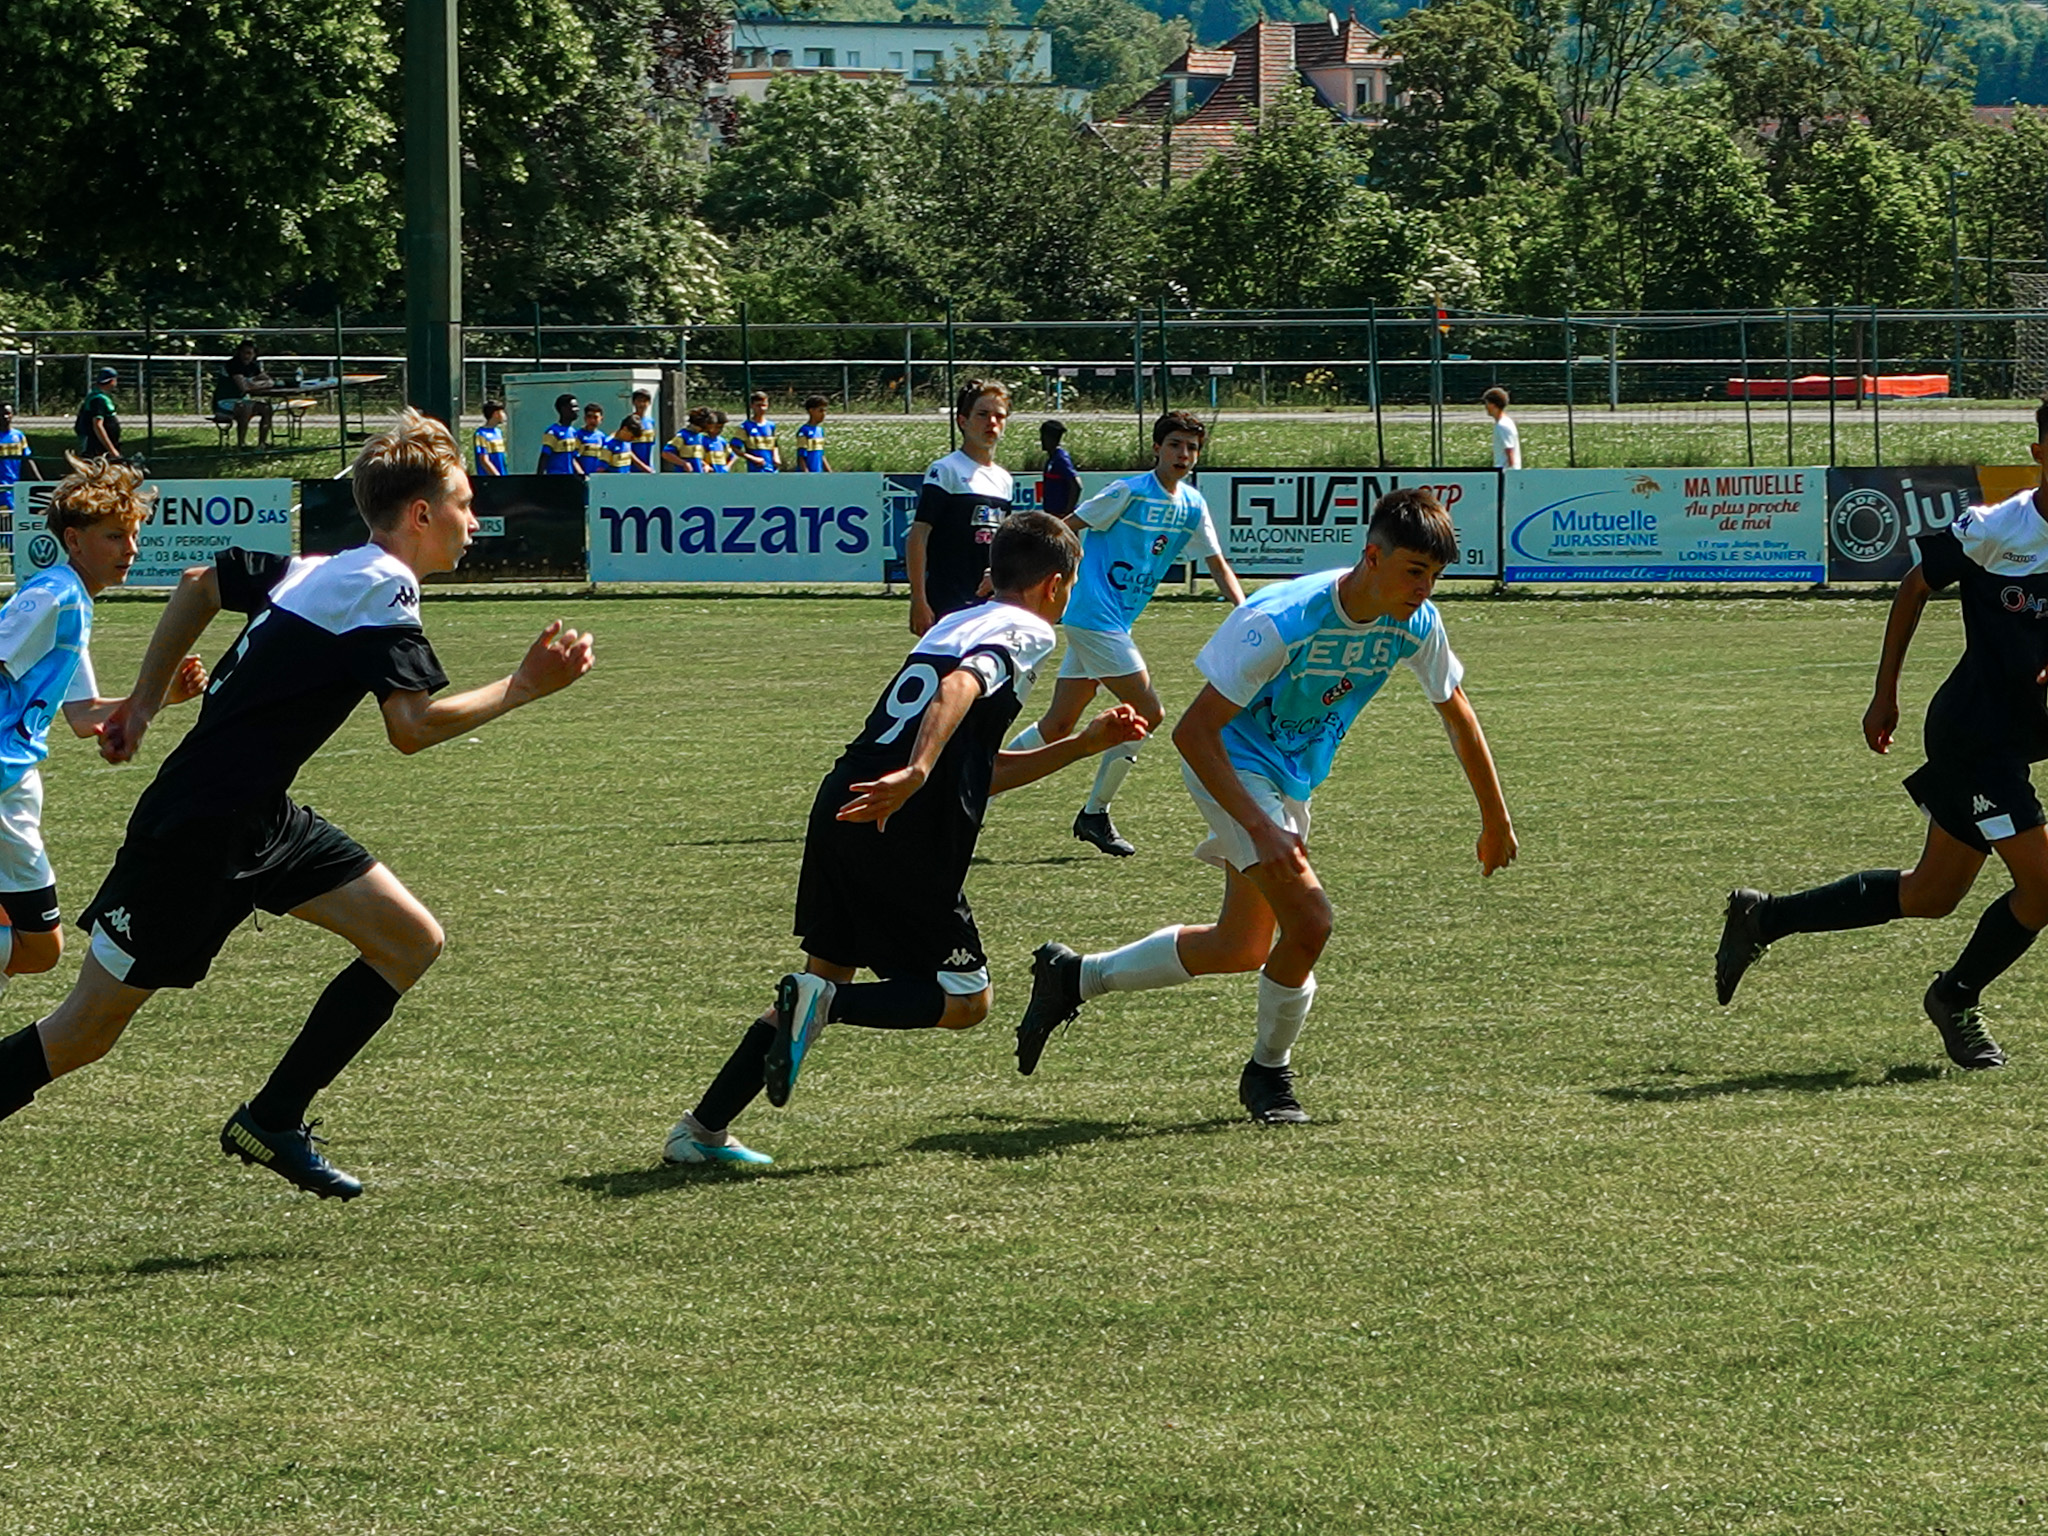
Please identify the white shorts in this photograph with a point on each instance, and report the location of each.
(24, 865)
(1099, 653)
(1228, 845)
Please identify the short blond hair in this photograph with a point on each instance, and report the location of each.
(410, 460)
(97, 490)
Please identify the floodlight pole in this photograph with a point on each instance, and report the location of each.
(433, 211)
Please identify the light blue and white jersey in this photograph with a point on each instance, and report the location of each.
(1135, 533)
(1301, 669)
(45, 630)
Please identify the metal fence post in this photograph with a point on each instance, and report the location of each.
(906, 367)
(1876, 393)
(1165, 371)
(1748, 394)
(952, 388)
(1571, 372)
(1436, 393)
(1372, 353)
(1834, 363)
(1788, 386)
(1614, 367)
(340, 394)
(148, 399)
(536, 337)
(1138, 373)
(746, 355)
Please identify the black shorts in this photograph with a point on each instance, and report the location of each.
(869, 899)
(169, 903)
(32, 911)
(1977, 803)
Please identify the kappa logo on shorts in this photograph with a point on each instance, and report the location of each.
(118, 921)
(1979, 805)
(960, 957)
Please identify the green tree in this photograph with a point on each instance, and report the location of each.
(1467, 114)
(1670, 212)
(814, 142)
(1864, 223)
(1112, 46)
(1604, 49)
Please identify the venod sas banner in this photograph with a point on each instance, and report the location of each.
(1286, 522)
(1650, 525)
(191, 522)
(738, 528)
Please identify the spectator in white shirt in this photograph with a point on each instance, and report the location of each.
(1507, 440)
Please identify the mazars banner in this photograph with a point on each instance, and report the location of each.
(735, 527)
(193, 519)
(1286, 522)
(1666, 525)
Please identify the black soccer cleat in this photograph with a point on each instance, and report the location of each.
(288, 1154)
(1096, 827)
(1742, 943)
(1055, 1000)
(1963, 1035)
(1267, 1094)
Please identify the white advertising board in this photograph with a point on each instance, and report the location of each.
(193, 519)
(1652, 525)
(741, 528)
(1286, 522)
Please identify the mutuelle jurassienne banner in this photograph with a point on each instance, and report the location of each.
(192, 520)
(1636, 525)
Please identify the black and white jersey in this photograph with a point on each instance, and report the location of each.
(1003, 646)
(323, 632)
(1990, 707)
(962, 502)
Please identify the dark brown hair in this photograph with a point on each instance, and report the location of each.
(1027, 548)
(1413, 519)
(1179, 421)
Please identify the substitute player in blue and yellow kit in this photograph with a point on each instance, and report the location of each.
(16, 464)
(810, 438)
(756, 440)
(487, 442)
(1287, 674)
(684, 453)
(1135, 532)
(1985, 729)
(593, 443)
(559, 444)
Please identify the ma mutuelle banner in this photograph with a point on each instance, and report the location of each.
(738, 528)
(192, 520)
(1654, 525)
(1283, 522)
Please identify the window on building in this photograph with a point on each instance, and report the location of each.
(780, 58)
(895, 61)
(924, 63)
(819, 58)
(853, 58)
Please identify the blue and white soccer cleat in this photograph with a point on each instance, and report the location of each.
(689, 1142)
(801, 1003)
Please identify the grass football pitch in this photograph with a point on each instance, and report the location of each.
(1567, 1249)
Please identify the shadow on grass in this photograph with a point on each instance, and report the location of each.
(1022, 1136)
(81, 1279)
(730, 842)
(1769, 1082)
(1051, 858)
(632, 1183)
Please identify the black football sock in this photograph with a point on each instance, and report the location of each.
(356, 1004)
(1854, 901)
(23, 1069)
(1993, 950)
(738, 1081)
(903, 1002)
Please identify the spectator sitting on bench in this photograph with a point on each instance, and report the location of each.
(241, 376)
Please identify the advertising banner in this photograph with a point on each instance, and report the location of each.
(193, 519)
(740, 528)
(1285, 522)
(1601, 525)
(530, 527)
(899, 500)
(1874, 515)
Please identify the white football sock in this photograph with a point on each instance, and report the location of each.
(1109, 777)
(1152, 962)
(1030, 739)
(708, 1138)
(1282, 1012)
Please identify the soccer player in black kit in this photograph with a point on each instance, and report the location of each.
(893, 828)
(216, 835)
(1986, 726)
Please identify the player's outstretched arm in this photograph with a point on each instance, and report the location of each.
(1882, 718)
(194, 602)
(415, 721)
(878, 799)
(1226, 578)
(1111, 728)
(1199, 738)
(87, 716)
(1497, 846)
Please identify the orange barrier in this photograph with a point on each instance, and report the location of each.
(1843, 386)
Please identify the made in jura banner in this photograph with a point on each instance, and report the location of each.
(1874, 515)
(1606, 525)
(191, 522)
(740, 528)
(529, 527)
(1283, 522)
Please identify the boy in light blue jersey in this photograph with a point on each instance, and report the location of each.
(1288, 674)
(1134, 534)
(487, 442)
(95, 513)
